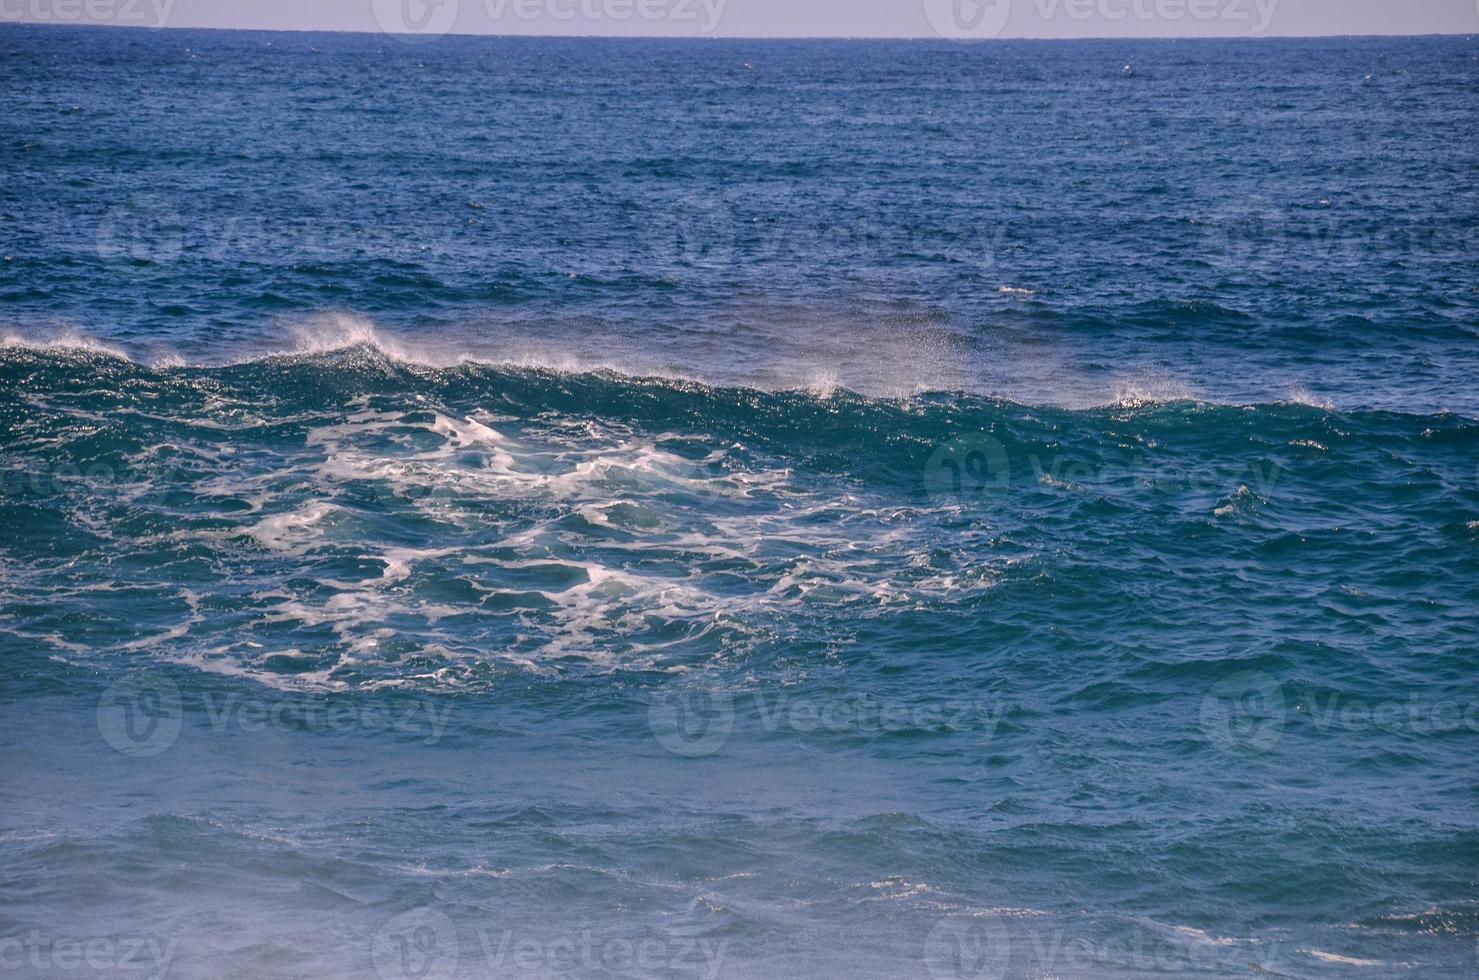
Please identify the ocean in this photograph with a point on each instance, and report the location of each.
(532, 507)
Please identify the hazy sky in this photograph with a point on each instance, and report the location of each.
(426, 19)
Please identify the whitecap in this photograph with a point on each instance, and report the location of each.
(1337, 958)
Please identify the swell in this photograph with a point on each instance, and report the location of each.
(348, 518)
(367, 363)
(453, 429)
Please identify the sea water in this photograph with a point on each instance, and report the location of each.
(727, 508)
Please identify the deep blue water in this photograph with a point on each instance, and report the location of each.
(722, 508)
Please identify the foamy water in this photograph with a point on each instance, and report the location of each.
(736, 509)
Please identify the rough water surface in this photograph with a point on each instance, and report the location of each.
(533, 508)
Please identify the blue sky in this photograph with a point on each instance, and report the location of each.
(781, 18)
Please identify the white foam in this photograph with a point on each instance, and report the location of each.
(177, 632)
(1325, 957)
(1300, 395)
(1150, 388)
(823, 384)
(878, 353)
(334, 331)
(677, 559)
(1244, 502)
(294, 531)
(62, 339)
(398, 563)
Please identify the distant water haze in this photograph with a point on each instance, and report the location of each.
(973, 19)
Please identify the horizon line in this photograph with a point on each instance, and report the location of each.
(426, 38)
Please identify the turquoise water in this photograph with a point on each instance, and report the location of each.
(551, 508)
